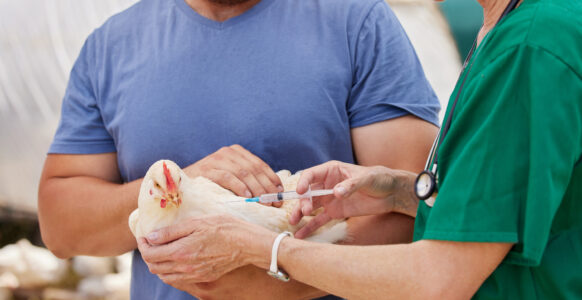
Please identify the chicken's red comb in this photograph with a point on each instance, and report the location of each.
(170, 185)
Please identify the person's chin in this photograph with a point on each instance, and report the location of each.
(228, 2)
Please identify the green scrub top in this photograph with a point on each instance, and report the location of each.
(509, 167)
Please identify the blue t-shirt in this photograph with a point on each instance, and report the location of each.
(287, 80)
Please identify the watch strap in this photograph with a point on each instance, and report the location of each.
(274, 269)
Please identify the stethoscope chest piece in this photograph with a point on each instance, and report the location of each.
(425, 185)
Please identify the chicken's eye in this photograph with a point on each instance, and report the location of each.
(157, 185)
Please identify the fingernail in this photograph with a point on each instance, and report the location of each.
(153, 236)
(248, 194)
(341, 190)
(280, 188)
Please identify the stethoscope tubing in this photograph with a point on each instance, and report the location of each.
(431, 166)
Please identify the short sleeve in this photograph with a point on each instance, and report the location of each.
(509, 156)
(389, 81)
(81, 129)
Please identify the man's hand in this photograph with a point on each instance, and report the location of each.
(238, 170)
(358, 191)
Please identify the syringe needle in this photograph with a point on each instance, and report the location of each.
(249, 200)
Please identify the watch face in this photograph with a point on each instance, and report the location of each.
(424, 185)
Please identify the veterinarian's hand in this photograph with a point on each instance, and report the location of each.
(358, 191)
(238, 170)
(201, 249)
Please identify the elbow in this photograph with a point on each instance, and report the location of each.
(56, 243)
(59, 252)
(446, 271)
(51, 228)
(57, 247)
(436, 291)
(444, 285)
(444, 291)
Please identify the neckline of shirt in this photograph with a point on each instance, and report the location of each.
(192, 14)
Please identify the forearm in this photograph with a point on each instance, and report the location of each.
(355, 272)
(367, 230)
(391, 228)
(426, 269)
(86, 215)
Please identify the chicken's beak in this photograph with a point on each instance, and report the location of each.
(173, 194)
(172, 199)
(176, 200)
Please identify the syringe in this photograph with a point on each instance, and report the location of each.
(276, 197)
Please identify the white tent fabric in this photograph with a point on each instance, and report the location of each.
(39, 41)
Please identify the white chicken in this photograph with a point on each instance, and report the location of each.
(24, 265)
(168, 195)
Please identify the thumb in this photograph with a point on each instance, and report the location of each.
(168, 234)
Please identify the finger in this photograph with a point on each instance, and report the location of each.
(155, 254)
(170, 267)
(239, 166)
(348, 187)
(296, 214)
(313, 225)
(262, 167)
(276, 204)
(257, 170)
(143, 245)
(173, 279)
(242, 172)
(266, 183)
(229, 181)
(304, 207)
(170, 233)
(317, 174)
(177, 278)
(165, 267)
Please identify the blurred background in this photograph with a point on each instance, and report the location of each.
(39, 41)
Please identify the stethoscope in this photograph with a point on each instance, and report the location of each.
(426, 183)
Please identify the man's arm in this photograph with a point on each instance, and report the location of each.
(83, 207)
(402, 143)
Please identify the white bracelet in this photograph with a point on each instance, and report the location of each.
(274, 269)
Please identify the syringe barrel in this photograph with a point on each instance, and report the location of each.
(269, 198)
(276, 197)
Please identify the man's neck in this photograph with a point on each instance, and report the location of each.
(214, 10)
(492, 10)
